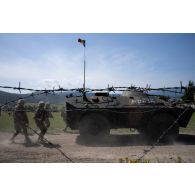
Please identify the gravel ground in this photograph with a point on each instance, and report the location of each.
(113, 148)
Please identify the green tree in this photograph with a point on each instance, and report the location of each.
(189, 92)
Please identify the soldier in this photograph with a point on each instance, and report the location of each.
(20, 120)
(48, 115)
(40, 117)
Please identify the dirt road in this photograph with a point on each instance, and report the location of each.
(110, 150)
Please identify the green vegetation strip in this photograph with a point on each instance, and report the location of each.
(7, 123)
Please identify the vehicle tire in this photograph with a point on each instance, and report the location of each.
(159, 124)
(94, 125)
(141, 131)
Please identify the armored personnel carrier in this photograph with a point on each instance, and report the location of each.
(96, 114)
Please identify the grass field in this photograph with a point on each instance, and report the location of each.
(191, 125)
(7, 124)
(57, 123)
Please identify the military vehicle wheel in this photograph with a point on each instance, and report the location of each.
(159, 124)
(141, 131)
(94, 125)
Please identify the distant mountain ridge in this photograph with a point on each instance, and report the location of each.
(170, 94)
(57, 98)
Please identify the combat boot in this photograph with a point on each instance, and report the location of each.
(27, 140)
(12, 140)
(40, 139)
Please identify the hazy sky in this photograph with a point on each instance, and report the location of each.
(49, 60)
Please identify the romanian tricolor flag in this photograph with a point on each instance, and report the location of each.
(82, 41)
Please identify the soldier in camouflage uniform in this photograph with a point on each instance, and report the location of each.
(40, 117)
(48, 115)
(20, 120)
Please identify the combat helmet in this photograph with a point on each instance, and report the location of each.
(21, 102)
(41, 104)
